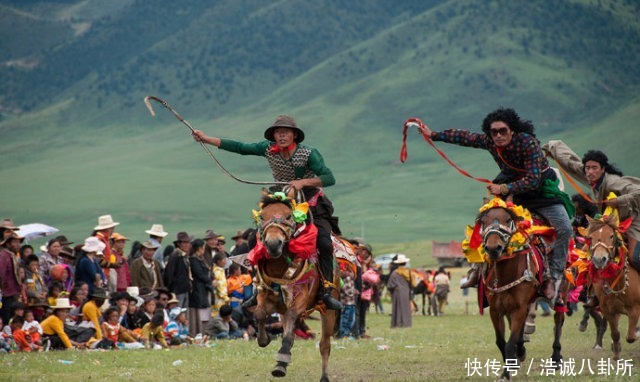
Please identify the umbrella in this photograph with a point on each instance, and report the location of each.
(35, 230)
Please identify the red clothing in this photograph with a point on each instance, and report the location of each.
(21, 339)
(124, 278)
(11, 285)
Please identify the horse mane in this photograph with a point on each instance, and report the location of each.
(270, 199)
(603, 221)
(512, 213)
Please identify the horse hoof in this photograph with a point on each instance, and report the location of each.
(597, 347)
(279, 371)
(324, 378)
(529, 328)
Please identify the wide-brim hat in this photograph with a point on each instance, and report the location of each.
(39, 303)
(8, 224)
(105, 222)
(284, 121)
(210, 234)
(239, 234)
(182, 237)
(157, 230)
(62, 303)
(93, 244)
(99, 293)
(221, 239)
(134, 292)
(122, 296)
(67, 252)
(173, 300)
(14, 235)
(149, 244)
(117, 237)
(63, 240)
(401, 259)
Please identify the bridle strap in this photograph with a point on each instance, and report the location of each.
(404, 153)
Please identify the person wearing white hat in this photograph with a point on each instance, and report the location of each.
(53, 326)
(104, 230)
(400, 284)
(88, 269)
(156, 234)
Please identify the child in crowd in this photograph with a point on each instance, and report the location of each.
(177, 331)
(145, 313)
(236, 283)
(36, 288)
(32, 327)
(54, 293)
(6, 341)
(220, 283)
(112, 330)
(348, 298)
(222, 326)
(152, 334)
(23, 340)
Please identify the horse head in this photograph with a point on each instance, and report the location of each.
(497, 225)
(604, 237)
(276, 224)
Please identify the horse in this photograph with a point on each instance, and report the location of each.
(288, 282)
(422, 287)
(512, 277)
(616, 284)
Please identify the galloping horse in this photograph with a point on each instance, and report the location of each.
(615, 283)
(513, 277)
(288, 282)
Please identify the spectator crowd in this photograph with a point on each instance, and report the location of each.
(187, 292)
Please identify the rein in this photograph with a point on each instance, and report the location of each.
(573, 183)
(147, 102)
(416, 122)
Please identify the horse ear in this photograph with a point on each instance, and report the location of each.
(590, 219)
(291, 193)
(264, 192)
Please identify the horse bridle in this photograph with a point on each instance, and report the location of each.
(504, 232)
(286, 224)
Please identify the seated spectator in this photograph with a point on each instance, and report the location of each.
(152, 333)
(145, 313)
(6, 341)
(77, 298)
(128, 320)
(54, 292)
(222, 326)
(32, 327)
(177, 331)
(112, 330)
(91, 312)
(23, 340)
(62, 273)
(53, 327)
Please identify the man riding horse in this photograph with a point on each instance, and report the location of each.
(303, 168)
(525, 173)
(595, 171)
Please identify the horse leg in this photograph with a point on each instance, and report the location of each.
(516, 327)
(283, 357)
(260, 316)
(328, 324)
(498, 327)
(530, 323)
(601, 327)
(424, 299)
(558, 319)
(616, 347)
(633, 315)
(521, 350)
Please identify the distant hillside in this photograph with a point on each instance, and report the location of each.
(76, 140)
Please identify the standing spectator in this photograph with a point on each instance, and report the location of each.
(62, 273)
(88, 269)
(399, 284)
(53, 326)
(6, 230)
(236, 284)
(201, 291)
(49, 258)
(68, 259)
(211, 240)
(145, 271)
(11, 285)
(348, 300)
(103, 232)
(36, 288)
(441, 283)
(123, 277)
(156, 234)
(241, 246)
(177, 274)
(26, 250)
(222, 326)
(220, 282)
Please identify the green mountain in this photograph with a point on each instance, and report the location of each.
(76, 140)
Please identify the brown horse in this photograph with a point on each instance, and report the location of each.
(511, 281)
(616, 284)
(287, 284)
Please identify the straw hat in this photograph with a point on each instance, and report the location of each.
(62, 303)
(174, 299)
(210, 234)
(149, 244)
(157, 230)
(93, 244)
(116, 237)
(105, 222)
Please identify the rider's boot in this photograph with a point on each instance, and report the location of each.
(251, 301)
(325, 296)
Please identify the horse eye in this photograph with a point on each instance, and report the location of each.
(289, 217)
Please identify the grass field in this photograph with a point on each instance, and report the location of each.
(435, 348)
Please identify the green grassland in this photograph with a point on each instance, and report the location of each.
(435, 348)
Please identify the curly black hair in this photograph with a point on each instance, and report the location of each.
(600, 157)
(511, 118)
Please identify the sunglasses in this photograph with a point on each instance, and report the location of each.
(500, 131)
